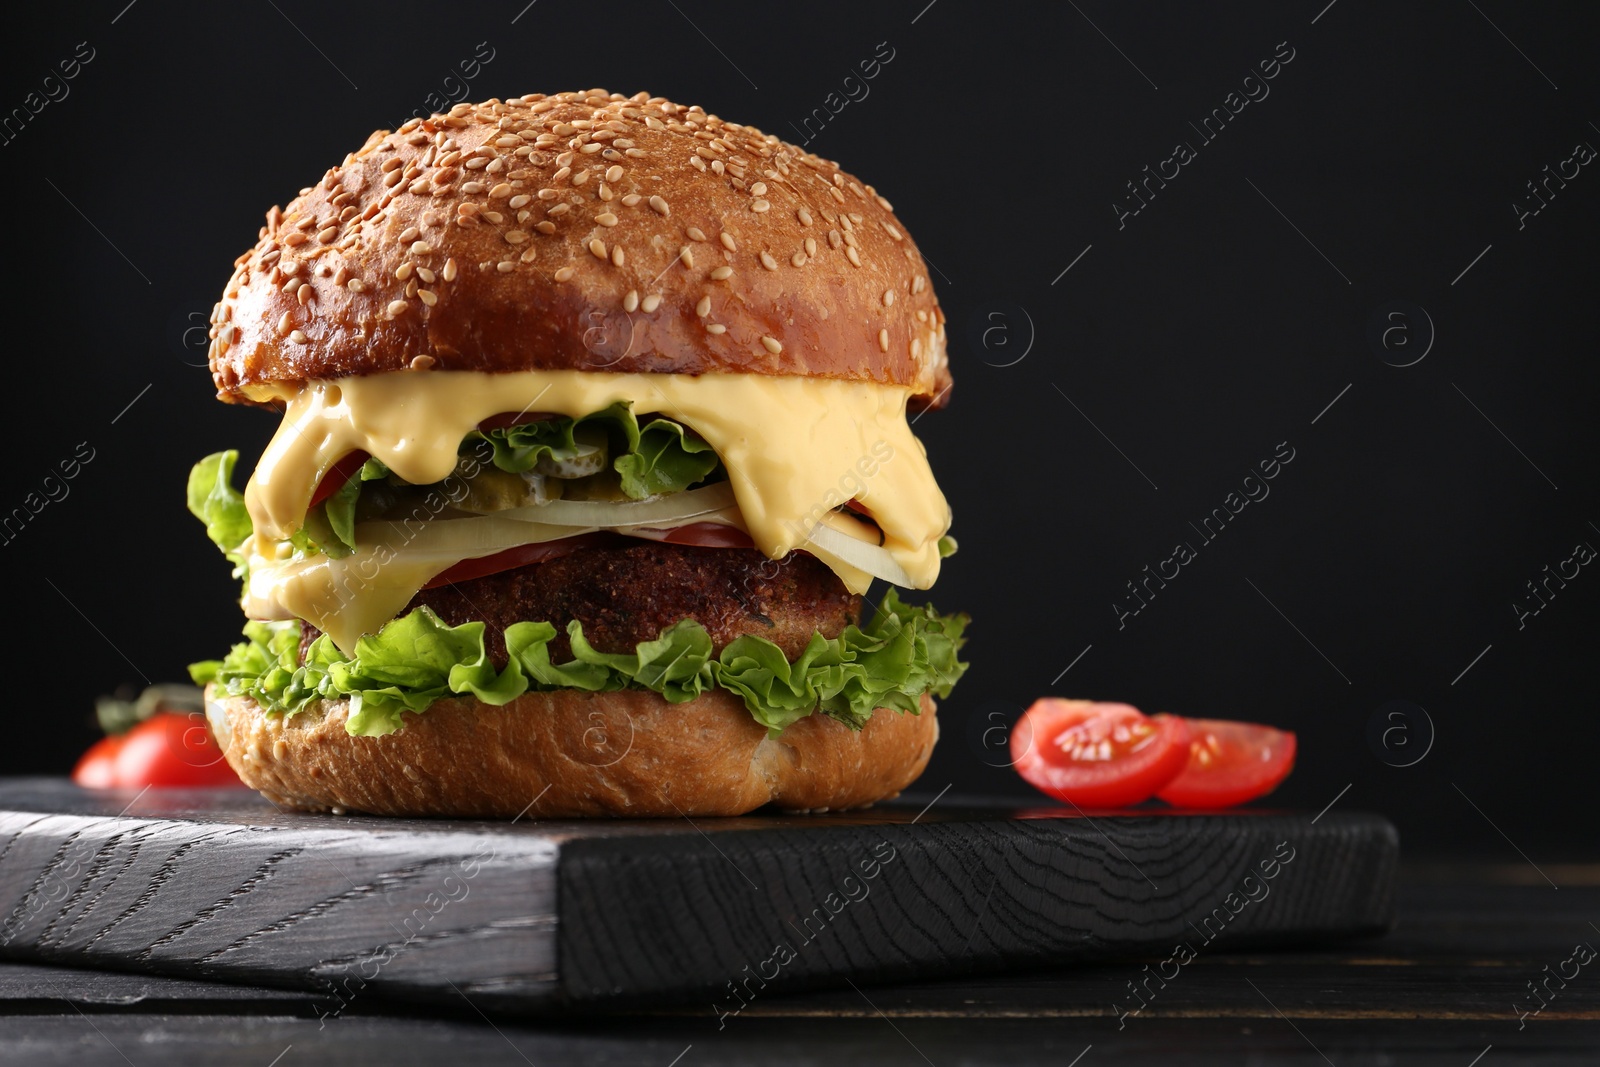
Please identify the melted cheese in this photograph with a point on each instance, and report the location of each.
(794, 449)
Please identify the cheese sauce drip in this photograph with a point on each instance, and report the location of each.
(794, 449)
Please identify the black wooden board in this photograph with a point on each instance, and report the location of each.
(533, 914)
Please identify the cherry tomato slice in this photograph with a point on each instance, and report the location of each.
(1230, 763)
(337, 475)
(97, 769)
(1097, 755)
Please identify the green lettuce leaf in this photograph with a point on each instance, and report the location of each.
(660, 457)
(333, 522)
(214, 501)
(902, 653)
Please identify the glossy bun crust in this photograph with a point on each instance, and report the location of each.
(581, 231)
(570, 753)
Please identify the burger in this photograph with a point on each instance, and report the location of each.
(594, 439)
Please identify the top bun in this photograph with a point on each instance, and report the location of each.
(586, 231)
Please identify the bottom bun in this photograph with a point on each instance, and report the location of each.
(571, 753)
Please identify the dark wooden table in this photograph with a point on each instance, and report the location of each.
(1446, 987)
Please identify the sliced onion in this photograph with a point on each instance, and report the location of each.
(873, 559)
(609, 514)
(461, 538)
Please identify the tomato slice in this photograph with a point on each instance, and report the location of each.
(511, 558)
(337, 475)
(1230, 763)
(1097, 755)
(703, 534)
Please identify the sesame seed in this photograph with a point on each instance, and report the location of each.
(500, 192)
(758, 189)
(284, 324)
(630, 303)
(563, 274)
(703, 308)
(618, 257)
(916, 348)
(396, 307)
(759, 206)
(919, 284)
(606, 219)
(651, 302)
(580, 177)
(426, 275)
(545, 226)
(559, 209)
(883, 340)
(604, 192)
(327, 234)
(696, 233)
(421, 248)
(409, 234)
(356, 285)
(811, 246)
(804, 216)
(771, 344)
(614, 173)
(722, 273)
(591, 148)
(716, 327)
(660, 206)
(852, 255)
(473, 188)
(547, 194)
(798, 259)
(297, 337)
(450, 270)
(888, 298)
(598, 248)
(686, 257)
(505, 266)
(427, 297)
(294, 240)
(515, 237)
(634, 153)
(520, 200)
(631, 199)
(768, 262)
(303, 294)
(728, 242)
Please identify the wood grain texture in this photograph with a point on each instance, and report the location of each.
(602, 914)
(256, 896)
(1438, 990)
(954, 897)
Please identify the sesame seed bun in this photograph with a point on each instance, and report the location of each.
(570, 753)
(581, 231)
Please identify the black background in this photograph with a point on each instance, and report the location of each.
(1218, 322)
